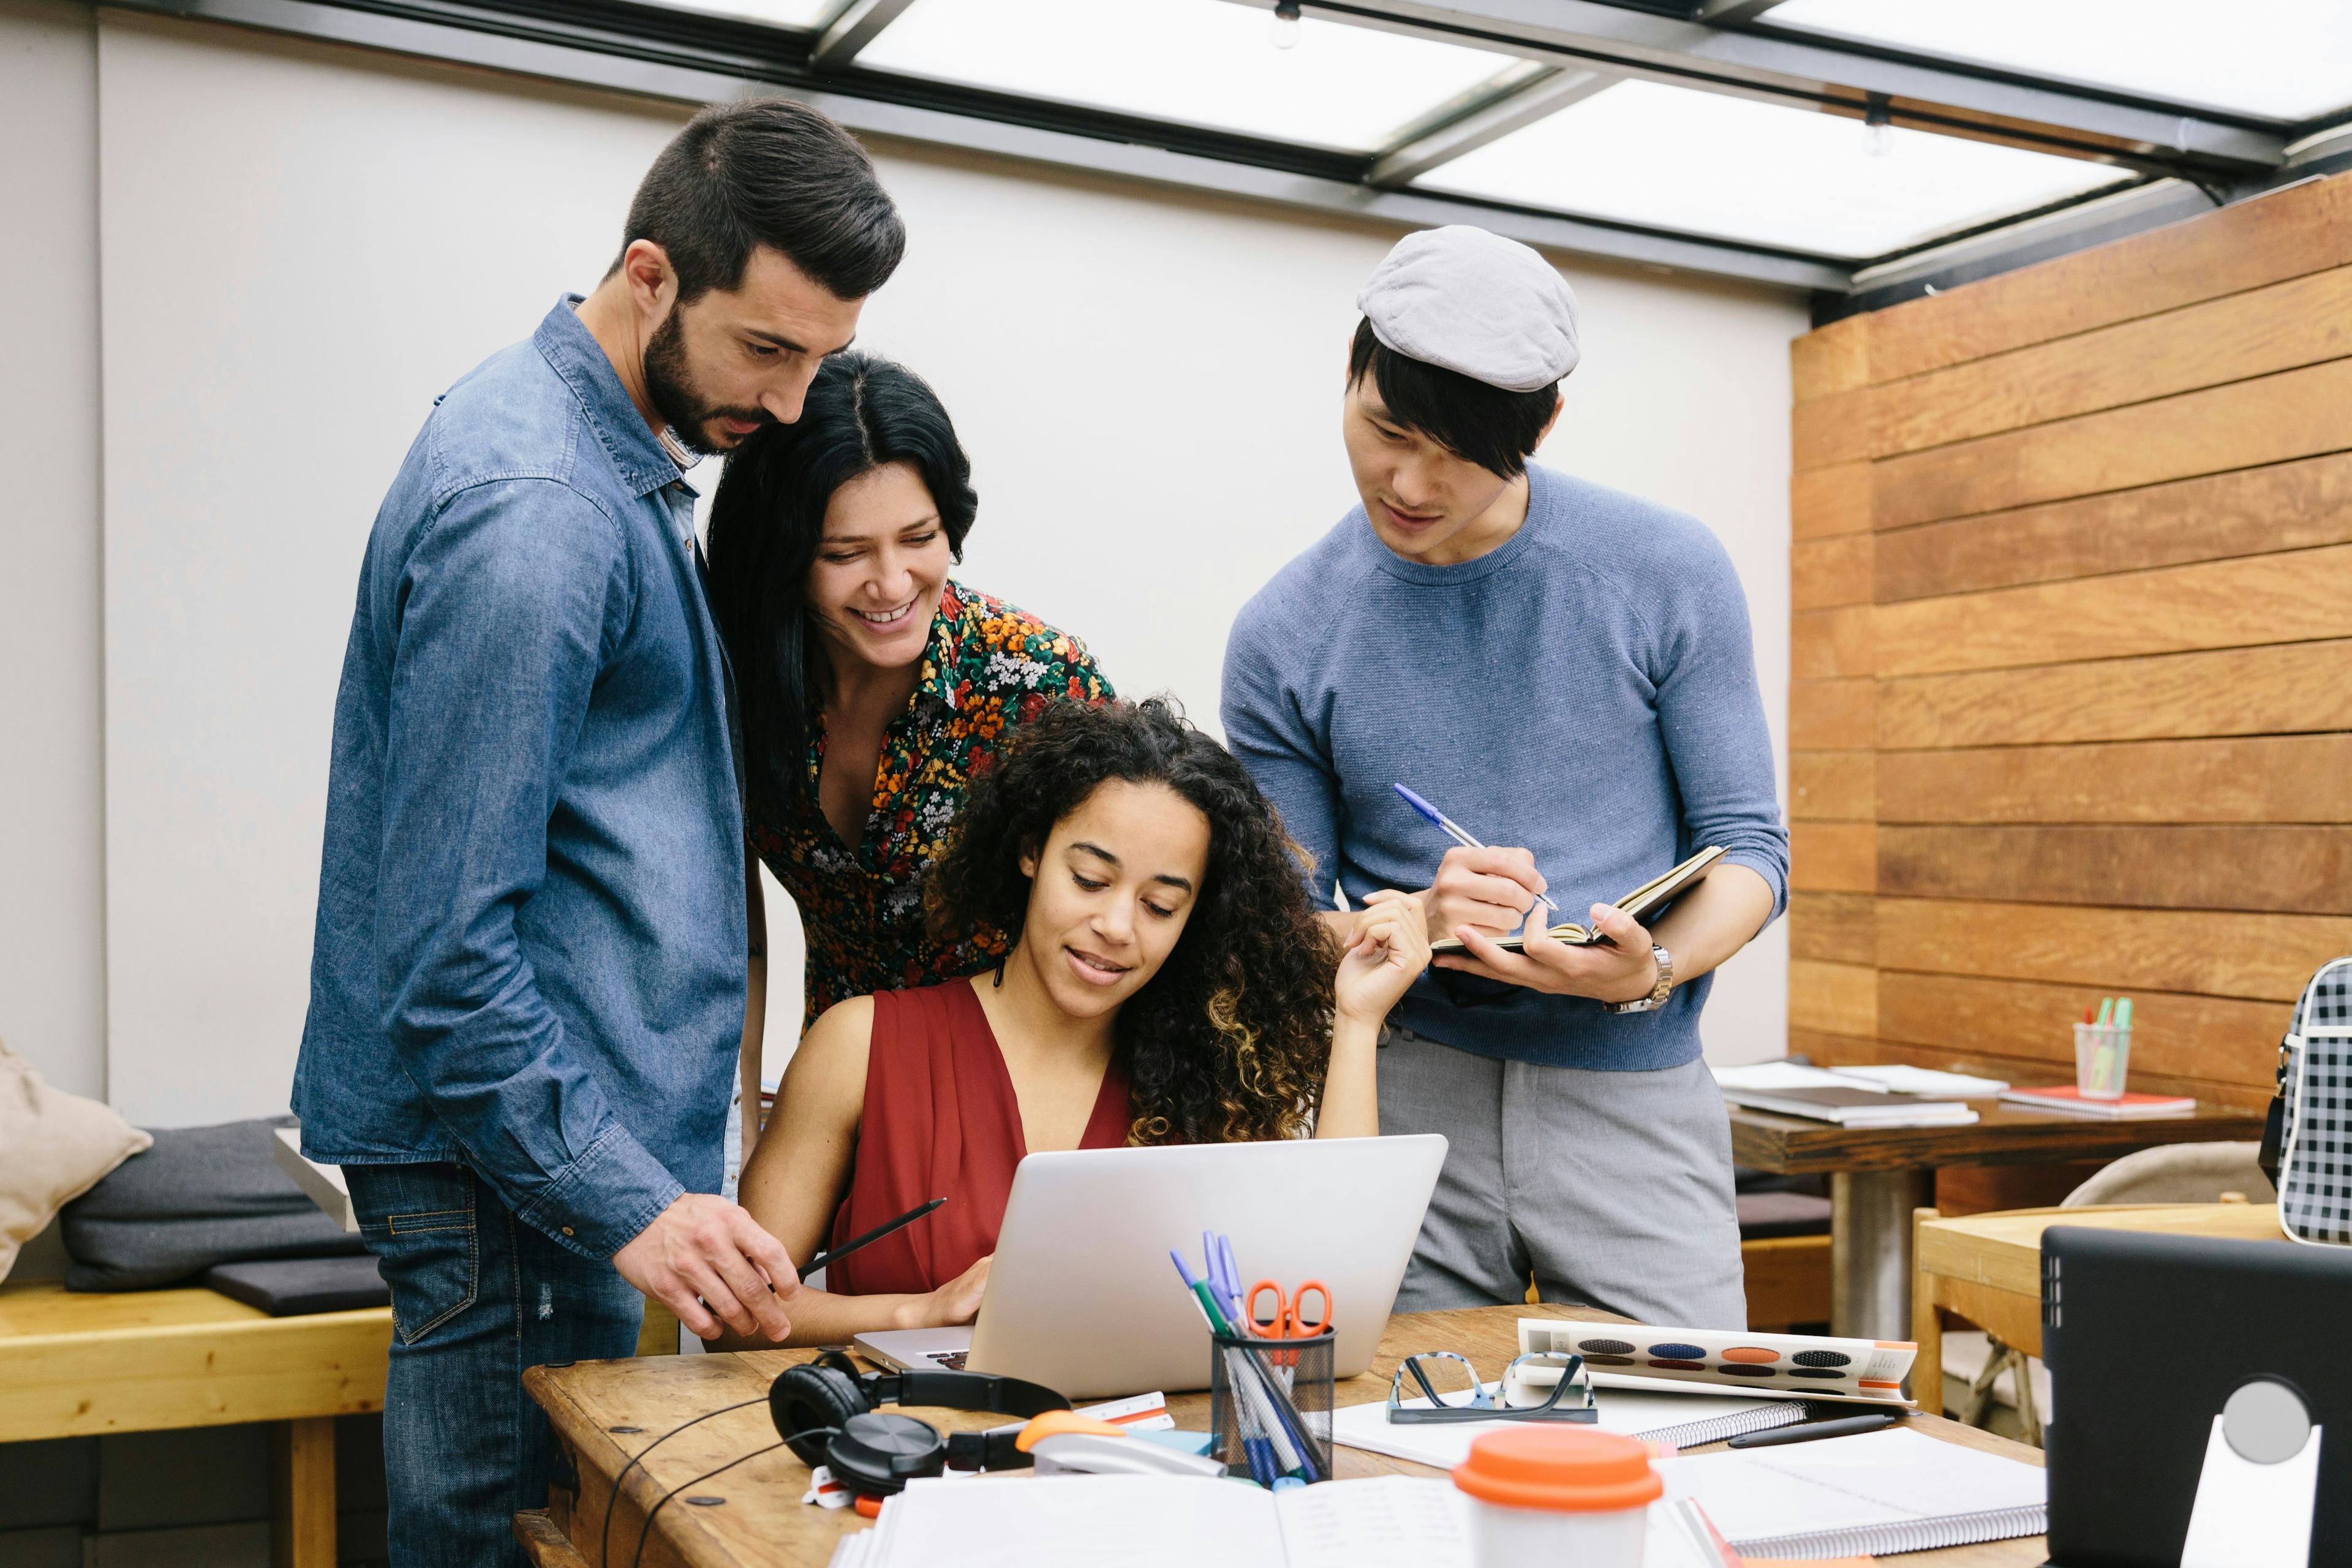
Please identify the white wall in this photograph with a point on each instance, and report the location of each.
(52, 953)
(302, 246)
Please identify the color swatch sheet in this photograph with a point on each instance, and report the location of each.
(1786, 1366)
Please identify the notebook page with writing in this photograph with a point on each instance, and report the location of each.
(1138, 1521)
(1386, 1521)
(1877, 1493)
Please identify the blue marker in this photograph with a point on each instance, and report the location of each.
(1447, 824)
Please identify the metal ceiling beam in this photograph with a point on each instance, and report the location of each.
(1841, 75)
(1524, 104)
(552, 43)
(856, 24)
(1730, 13)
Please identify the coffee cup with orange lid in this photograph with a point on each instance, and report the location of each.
(1565, 1495)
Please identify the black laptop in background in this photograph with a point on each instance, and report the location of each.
(2147, 1337)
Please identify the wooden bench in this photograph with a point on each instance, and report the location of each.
(85, 1365)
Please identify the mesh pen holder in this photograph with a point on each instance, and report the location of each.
(1270, 1406)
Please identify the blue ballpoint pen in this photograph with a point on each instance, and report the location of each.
(1453, 829)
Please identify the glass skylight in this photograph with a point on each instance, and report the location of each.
(1203, 62)
(2287, 59)
(1736, 169)
(802, 14)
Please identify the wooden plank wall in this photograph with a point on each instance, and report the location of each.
(2072, 706)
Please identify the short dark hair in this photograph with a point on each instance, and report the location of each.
(1496, 429)
(769, 171)
(862, 413)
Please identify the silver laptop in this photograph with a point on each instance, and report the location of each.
(1083, 1298)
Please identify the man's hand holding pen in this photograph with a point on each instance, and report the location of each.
(1621, 970)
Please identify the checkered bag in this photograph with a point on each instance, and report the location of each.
(2314, 1173)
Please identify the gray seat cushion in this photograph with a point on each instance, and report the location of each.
(295, 1287)
(1766, 1215)
(200, 1196)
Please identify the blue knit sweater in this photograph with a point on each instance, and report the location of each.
(1586, 690)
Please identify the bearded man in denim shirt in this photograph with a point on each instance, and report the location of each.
(527, 984)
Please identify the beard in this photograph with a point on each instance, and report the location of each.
(670, 388)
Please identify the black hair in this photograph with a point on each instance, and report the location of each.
(1497, 430)
(769, 171)
(1231, 1039)
(862, 413)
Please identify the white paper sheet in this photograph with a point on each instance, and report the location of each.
(1845, 1483)
(1633, 1413)
(1389, 1521)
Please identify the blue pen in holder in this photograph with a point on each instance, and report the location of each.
(1270, 1406)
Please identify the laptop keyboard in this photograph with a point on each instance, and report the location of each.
(952, 1359)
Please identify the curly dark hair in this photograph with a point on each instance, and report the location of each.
(1230, 1040)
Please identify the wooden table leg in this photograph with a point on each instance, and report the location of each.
(1926, 1328)
(304, 1451)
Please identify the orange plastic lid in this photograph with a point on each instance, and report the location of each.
(1568, 1469)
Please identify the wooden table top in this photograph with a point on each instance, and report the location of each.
(764, 1523)
(2003, 1251)
(2004, 1134)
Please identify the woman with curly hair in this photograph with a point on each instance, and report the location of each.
(1167, 984)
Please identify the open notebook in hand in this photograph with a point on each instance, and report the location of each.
(1642, 904)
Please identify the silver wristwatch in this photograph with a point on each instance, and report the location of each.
(1657, 992)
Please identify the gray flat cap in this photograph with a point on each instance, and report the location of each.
(1476, 303)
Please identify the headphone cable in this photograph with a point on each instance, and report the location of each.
(604, 1535)
(637, 1557)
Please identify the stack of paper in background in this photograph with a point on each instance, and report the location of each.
(1890, 1096)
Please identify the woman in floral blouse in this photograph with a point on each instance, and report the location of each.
(872, 687)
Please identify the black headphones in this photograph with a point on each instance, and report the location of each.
(825, 1412)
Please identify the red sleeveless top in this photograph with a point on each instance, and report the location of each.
(940, 1120)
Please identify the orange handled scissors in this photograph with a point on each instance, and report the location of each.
(1290, 1320)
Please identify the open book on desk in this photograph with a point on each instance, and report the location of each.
(1172, 1521)
(1642, 904)
(1164, 1522)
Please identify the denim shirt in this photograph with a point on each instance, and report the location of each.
(530, 944)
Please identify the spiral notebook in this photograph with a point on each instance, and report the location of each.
(1878, 1493)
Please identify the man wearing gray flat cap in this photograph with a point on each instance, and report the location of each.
(1565, 670)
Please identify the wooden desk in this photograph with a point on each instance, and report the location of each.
(80, 1365)
(1879, 1176)
(604, 1412)
(1988, 1267)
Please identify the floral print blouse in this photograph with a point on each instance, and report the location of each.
(987, 669)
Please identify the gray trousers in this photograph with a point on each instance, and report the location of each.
(1609, 1189)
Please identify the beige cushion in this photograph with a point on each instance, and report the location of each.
(2178, 1174)
(57, 1146)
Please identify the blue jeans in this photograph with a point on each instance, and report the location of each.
(477, 1296)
